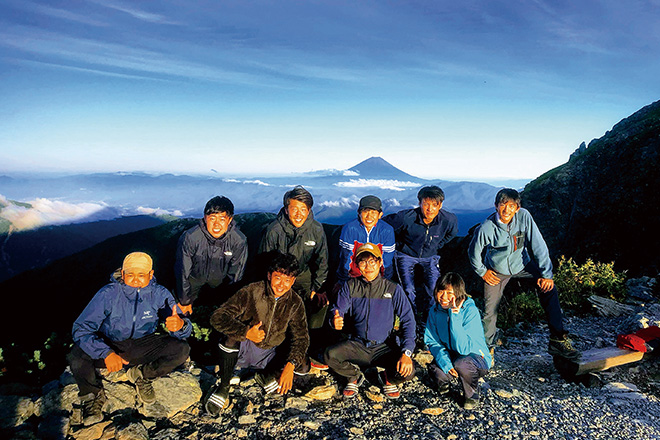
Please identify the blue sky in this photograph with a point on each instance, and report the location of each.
(473, 90)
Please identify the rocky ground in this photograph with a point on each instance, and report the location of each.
(523, 397)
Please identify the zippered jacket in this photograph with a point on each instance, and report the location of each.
(449, 335)
(507, 249)
(353, 234)
(372, 307)
(307, 243)
(203, 259)
(119, 312)
(280, 318)
(417, 239)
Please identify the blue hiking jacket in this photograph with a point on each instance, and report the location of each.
(450, 334)
(119, 312)
(507, 249)
(372, 307)
(353, 232)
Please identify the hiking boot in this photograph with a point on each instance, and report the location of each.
(390, 390)
(92, 406)
(470, 403)
(563, 347)
(217, 400)
(145, 389)
(353, 386)
(443, 389)
(492, 356)
(268, 383)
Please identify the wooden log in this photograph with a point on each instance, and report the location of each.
(608, 307)
(600, 359)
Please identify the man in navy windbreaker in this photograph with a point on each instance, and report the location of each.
(371, 304)
(420, 234)
(118, 328)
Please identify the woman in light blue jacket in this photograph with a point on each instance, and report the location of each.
(455, 337)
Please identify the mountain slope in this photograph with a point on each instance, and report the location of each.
(379, 168)
(605, 203)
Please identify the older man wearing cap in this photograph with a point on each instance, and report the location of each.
(117, 329)
(366, 228)
(372, 304)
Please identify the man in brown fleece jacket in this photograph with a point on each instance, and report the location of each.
(254, 324)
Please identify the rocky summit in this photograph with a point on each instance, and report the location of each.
(604, 203)
(523, 397)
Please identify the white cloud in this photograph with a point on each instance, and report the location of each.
(344, 202)
(257, 182)
(48, 212)
(231, 180)
(158, 211)
(395, 185)
(392, 202)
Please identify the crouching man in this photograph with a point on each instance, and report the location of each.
(263, 327)
(117, 329)
(373, 303)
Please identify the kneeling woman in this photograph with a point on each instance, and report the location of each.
(455, 337)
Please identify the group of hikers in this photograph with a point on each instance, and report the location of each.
(288, 322)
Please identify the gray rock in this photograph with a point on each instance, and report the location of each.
(174, 393)
(134, 431)
(15, 410)
(57, 400)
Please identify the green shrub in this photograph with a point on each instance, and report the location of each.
(577, 282)
(524, 306)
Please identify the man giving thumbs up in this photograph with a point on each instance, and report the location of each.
(117, 330)
(253, 324)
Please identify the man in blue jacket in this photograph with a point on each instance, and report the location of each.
(420, 234)
(508, 244)
(211, 254)
(365, 229)
(371, 304)
(118, 328)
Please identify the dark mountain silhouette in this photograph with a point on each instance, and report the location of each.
(379, 168)
(31, 249)
(604, 203)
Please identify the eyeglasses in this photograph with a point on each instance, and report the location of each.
(371, 262)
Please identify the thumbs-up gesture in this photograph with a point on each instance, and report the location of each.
(338, 321)
(255, 334)
(174, 323)
(186, 310)
(114, 362)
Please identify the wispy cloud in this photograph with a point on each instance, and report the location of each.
(158, 211)
(395, 185)
(135, 12)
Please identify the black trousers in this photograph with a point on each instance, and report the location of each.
(157, 353)
(347, 357)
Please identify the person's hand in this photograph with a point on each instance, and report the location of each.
(321, 298)
(186, 310)
(405, 366)
(338, 321)
(114, 362)
(255, 334)
(174, 323)
(491, 278)
(286, 379)
(545, 284)
(453, 372)
(455, 308)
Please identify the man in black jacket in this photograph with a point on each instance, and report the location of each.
(211, 254)
(263, 326)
